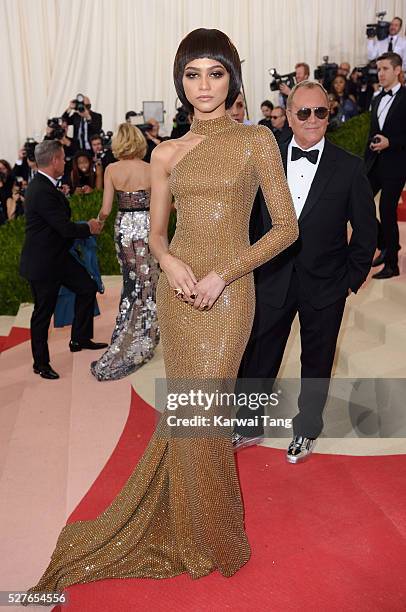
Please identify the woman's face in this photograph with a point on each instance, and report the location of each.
(3, 169)
(206, 84)
(83, 164)
(339, 85)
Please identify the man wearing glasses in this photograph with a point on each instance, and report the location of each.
(314, 276)
(280, 126)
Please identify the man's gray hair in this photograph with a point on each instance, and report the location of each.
(305, 85)
(45, 152)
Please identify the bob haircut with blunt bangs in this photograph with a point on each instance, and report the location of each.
(215, 45)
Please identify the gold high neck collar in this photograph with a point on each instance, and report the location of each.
(208, 127)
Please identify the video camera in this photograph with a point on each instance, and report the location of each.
(368, 74)
(57, 132)
(79, 103)
(29, 148)
(278, 79)
(379, 29)
(326, 72)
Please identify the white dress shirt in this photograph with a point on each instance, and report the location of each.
(384, 106)
(377, 47)
(53, 181)
(300, 174)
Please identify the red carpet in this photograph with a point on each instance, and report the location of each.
(325, 535)
(402, 207)
(16, 336)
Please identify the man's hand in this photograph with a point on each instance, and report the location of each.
(284, 89)
(95, 226)
(383, 143)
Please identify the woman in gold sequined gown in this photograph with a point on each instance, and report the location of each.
(181, 509)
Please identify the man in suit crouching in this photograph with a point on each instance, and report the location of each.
(46, 262)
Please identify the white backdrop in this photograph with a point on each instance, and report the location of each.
(120, 52)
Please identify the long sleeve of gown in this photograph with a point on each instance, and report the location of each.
(269, 171)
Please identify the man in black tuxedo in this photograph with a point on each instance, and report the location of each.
(314, 276)
(85, 122)
(47, 263)
(385, 157)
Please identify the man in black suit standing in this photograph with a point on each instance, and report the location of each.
(85, 122)
(47, 263)
(385, 157)
(315, 275)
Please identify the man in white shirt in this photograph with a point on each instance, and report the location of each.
(394, 43)
(314, 276)
(385, 157)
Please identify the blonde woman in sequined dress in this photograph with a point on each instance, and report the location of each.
(181, 509)
(136, 331)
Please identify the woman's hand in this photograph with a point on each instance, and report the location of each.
(180, 276)
(208, 290)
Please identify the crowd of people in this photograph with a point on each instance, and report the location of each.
(88, 148)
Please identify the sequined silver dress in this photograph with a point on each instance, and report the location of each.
(136, 332)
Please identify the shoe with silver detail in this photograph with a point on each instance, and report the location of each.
(300, 449)
(239, 442)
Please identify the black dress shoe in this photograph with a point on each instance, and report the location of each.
(380, 259)
(387, 272)
(46, 372)
(86, 344)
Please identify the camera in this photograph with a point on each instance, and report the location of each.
(379, 29)
(79, 103)
(57, 132)
(181, 117)
(278, 79)
(326, 72)
(19, 183)
(368, 74)
(106, 138)
(29, 148)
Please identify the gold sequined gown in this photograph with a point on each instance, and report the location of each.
(181, 509)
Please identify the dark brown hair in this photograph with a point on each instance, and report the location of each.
(76, 174)
(215, 45)
(394, 59)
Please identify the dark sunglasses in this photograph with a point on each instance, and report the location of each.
(276, 116)
(304, 113)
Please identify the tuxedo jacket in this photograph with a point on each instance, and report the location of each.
(49, 232)
(327, 265)
(391, 161)
(94, 125)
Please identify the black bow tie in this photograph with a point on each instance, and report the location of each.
(387, 93)
(312, 155)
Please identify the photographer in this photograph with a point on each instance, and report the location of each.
(394, 43)
(101, 155)
(85, 121)
(26, 166)
(302, 73)
(56, 130)
(15, 203)
(152, 137)
(181, 122)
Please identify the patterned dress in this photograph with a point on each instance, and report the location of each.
(136, 332)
